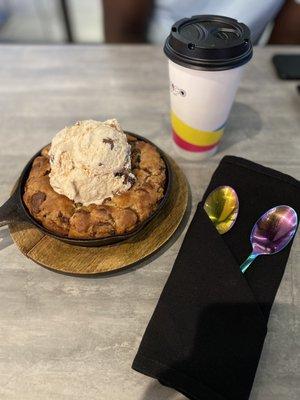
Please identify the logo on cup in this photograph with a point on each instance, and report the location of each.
(176, 91)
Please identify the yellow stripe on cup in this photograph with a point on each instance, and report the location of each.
(195, 136)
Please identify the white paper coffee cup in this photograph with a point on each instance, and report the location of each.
(207, 55)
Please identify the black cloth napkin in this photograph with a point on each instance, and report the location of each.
(208, 329)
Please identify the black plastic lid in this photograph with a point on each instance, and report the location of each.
(209, 42)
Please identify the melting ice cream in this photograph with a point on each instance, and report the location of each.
(90, 161)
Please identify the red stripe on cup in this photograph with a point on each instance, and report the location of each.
(191, 147)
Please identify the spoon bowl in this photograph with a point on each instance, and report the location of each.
(272, 232)
(222, 207)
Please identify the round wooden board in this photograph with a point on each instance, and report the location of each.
(59, 256)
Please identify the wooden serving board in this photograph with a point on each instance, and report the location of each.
(59, 256)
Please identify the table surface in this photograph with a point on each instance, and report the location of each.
(63, 337)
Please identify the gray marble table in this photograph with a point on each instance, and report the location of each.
(63, 337)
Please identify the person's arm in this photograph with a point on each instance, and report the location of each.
(287, 24)
(126, 21)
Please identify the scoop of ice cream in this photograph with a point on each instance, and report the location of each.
(90, 161)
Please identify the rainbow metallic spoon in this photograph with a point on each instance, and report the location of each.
(272, 233)
(222, 207)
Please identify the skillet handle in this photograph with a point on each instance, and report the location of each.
(9, 211)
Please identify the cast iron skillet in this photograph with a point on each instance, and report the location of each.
(15, 210)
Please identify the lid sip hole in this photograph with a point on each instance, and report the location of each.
(226, 33)
(191, 46)
(174, 29)
(222, 35)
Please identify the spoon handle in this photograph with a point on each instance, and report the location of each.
(248, 262)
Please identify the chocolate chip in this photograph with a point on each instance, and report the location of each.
(128, 179)
(63, 218)
(100, 164)
(131, 180)
(110, 142)
(135, 156)
(36, 201)
(120, 173)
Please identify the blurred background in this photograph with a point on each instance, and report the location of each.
(136, 21)
(51, 21)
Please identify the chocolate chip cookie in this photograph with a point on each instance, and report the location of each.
(117, 215)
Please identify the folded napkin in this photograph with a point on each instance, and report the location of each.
(207, 331)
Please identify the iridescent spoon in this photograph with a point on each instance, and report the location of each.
(272, 232)
(222, 207)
